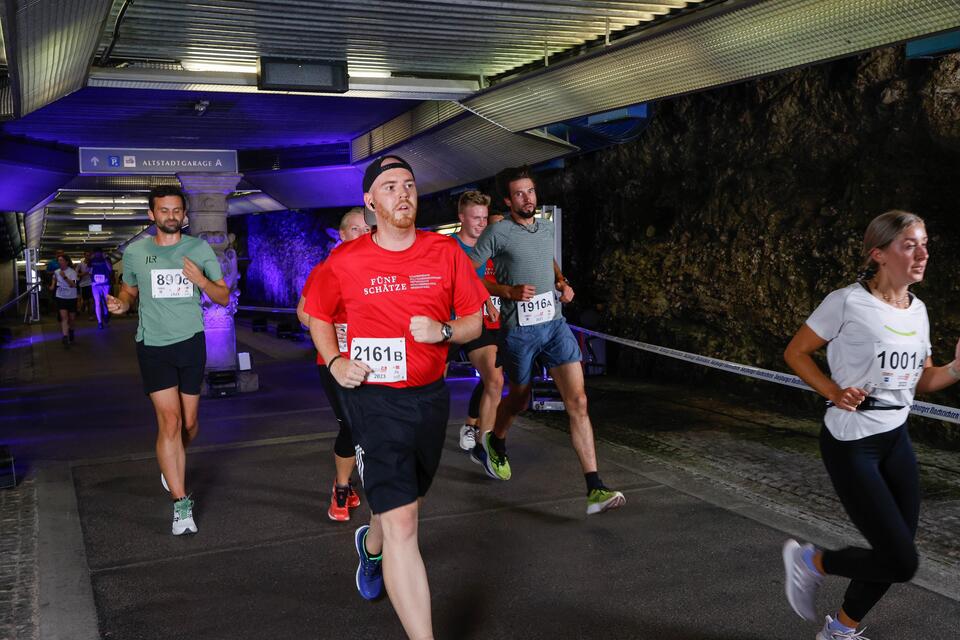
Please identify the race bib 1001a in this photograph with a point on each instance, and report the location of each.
(170, 283)
(897, 365)
(538, 310)
(386, 356)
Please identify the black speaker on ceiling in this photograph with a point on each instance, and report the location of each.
(288, 74)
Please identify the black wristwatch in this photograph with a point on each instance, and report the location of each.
(446, 331)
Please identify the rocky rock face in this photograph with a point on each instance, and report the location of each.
(739, 209)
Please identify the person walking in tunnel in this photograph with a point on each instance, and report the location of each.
(168, 273)
(85, 282)
(398, 286)
(877, 336)
(101, 274)
(522, 247)
(473, 211)
(64, 284)
(343, 496)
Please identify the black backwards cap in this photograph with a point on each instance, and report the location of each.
(377, 167)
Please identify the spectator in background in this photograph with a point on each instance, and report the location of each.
(86, 294)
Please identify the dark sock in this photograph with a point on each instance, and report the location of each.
(499, 444)
(593, 481)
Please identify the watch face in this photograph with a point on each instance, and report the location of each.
(447, 331)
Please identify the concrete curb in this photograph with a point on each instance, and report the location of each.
(67, 609)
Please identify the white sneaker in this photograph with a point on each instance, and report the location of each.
(163, 481)
(183, 517)
(829, 634)
(468, 437)
(801, 583)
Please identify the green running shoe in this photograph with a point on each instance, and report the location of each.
(496, 466)
(603, 499)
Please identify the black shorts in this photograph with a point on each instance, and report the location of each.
(343, 446)
(175, 365)
(67, 304)
(487, 338)
(86, 292)
(399, 436)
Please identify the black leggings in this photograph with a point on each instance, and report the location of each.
(474, 410)
(876, 480)
(343, 447)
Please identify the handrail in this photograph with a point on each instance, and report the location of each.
(35, 285)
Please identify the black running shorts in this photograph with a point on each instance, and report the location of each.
(66, 304)
(487, 338)
(399, 436)
(175, 365)
(343, 446)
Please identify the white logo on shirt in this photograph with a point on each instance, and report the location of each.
(384, 284)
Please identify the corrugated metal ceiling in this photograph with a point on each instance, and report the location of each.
(447, 38)
(731, 46)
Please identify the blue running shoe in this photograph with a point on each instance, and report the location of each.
(369, 571)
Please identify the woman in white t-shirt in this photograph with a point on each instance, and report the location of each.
(878, 348)
(65, 283)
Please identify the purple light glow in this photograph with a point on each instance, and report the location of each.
(283, 248)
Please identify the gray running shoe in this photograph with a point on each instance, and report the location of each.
(801, 582)
(183, 517)
(829, 634)
(468, 437)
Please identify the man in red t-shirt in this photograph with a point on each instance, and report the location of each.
(397, 287)
(342, 496)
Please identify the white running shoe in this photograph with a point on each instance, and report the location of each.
(163, 481)
(829, 634)
(183, 517)
(801, 583)
(468, 437)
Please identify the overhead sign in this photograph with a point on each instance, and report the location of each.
(105, 160)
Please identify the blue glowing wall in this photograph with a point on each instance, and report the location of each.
(282, 249)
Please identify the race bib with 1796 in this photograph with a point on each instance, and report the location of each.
(897, 365)
(537, 310)
(386, 356)
(170, 283)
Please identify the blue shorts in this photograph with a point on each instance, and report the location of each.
(552, 342)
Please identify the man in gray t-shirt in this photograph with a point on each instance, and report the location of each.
(532, 328)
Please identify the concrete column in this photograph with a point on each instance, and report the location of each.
(207, 211)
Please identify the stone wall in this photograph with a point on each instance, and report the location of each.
(725, 224)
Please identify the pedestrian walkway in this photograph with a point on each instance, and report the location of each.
(695, 554)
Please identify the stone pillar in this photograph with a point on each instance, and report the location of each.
(207, 211)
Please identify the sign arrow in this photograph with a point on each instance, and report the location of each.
(95, 161)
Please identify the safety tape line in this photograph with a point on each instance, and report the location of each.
(925, 409)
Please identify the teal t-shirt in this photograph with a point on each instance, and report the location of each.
(169, 303)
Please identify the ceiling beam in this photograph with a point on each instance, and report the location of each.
(401, 88)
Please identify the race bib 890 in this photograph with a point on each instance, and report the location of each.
(170, 283)
(386, 356)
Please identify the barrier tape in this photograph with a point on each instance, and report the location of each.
(924, 409)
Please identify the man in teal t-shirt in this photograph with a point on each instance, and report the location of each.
(168, 272)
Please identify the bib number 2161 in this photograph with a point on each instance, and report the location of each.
(386, 356)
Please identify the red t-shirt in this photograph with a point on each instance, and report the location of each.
(339, 319)
(489, 276)
(381, 290)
